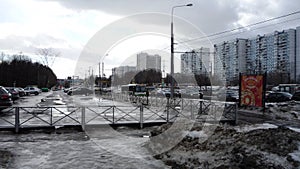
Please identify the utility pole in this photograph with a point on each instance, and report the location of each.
(99, 69)
(103, 69)
(172, 47)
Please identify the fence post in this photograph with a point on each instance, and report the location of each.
(51, 116)
(168, 106)
(201, 106)
(236, 114)
(83, 118)
(181, 108)
(17, 119)
(192, 111)
(141, 115)
(215, 111)
(113, 114)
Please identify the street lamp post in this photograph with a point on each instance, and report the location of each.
(172, 48)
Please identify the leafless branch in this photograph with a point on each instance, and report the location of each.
(48, 55)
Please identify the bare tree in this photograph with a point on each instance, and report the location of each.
(47, 55)
(2, 57)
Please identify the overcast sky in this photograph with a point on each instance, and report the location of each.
(69, 25)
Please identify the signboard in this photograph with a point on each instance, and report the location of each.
(252, 90)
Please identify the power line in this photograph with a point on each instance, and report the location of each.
(257, 28)
(242, 27)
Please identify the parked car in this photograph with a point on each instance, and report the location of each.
(21, 91)
(232, 96)
(32, 90)
(189, 93)
(229, 96)
(279, 97)
(268, 92)
(14, 93)
(166, 92)
(5, 98)
(296, 96)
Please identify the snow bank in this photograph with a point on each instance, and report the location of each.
(295, 129)
(248, 128)
(196, 134)
(237, 147)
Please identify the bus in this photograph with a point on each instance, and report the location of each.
(134, 89)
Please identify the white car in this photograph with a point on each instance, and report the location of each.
(32, 90)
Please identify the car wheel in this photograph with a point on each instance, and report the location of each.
(36, 93)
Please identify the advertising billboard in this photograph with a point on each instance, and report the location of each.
(252, 90)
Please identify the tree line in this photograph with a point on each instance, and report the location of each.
(151, 77)
(20, 71)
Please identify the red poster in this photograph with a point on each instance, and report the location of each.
(252, 90)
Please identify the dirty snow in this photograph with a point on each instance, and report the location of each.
(296, 154)
(262, 146)
(247, 128)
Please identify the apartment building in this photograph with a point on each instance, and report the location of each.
(230, 59)
(196, 61)
(122, 70)
(146, 61)
(276, 52)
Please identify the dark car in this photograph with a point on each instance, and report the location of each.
(279, 97)
(229, 96)
(5, 98)
(232, 96)
(14, 93)
(296, 96)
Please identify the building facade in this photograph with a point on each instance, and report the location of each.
(230, 59)
(122, 70)
(196, 61)
(146, 61)
(278, 52)
(297, 62)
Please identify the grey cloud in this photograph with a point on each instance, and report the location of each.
(209, 15)
(30, 44)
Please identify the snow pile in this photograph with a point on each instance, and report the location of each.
(270, 147)
(284, 111)
(295, 129)
(196, 134)
(248, 128)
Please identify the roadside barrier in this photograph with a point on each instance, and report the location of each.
(138, 111)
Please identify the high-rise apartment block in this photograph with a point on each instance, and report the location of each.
(146, 61)
(196, 61)
(230, 59)
(278, 52)
(122, 70)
